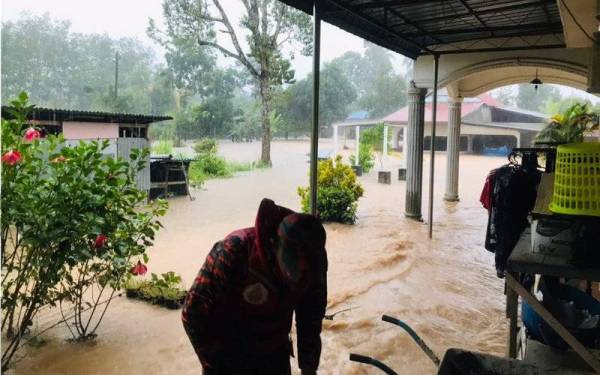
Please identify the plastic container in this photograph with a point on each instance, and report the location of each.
(577, 180)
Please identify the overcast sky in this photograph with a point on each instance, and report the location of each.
(129, 18)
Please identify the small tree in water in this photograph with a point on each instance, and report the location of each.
(73, 225)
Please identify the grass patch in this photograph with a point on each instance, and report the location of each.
(211, 166)
(163, 147)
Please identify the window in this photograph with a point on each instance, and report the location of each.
(132, 131)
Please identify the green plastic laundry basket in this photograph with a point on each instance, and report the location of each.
(577, 180)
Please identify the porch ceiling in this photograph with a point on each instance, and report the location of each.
(415, 27)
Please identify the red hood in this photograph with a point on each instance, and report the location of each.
(268, 218)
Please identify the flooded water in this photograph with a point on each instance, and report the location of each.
(445, 288)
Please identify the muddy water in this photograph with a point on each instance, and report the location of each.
(444, 288)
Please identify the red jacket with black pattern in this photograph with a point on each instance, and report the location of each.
(237, 306)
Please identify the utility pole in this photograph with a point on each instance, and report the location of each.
(116, 73)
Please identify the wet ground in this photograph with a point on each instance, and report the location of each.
(445, 288)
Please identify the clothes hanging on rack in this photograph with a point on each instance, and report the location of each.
(488, 188)
(509, 194)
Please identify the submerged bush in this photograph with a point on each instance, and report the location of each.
(210, 166)
(213, 165)
(206, 146)
(166, 290)
(337, 192)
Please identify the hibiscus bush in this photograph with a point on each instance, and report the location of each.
(73, 226)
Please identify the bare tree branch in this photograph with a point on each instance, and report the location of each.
(241, 56)
(224, 50)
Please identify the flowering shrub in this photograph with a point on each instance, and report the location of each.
(73, 225)
(337, 192)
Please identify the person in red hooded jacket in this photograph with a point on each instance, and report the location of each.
(238, 313)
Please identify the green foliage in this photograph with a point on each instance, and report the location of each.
(72, 221)
(379, 89)
(268, 26)
(166, 289)
(295, 103)
(162, 147)
(528, 98)
(213, 165)
(210, 165)
(185, 125)
(63, 69)
(365, 157)
(337, 192)
(206, 146)
(570, 126)
(374, 137)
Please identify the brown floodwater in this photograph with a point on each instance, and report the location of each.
(445, 288)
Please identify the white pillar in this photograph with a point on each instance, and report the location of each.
(335, 140)
(453, 149)
(404, 143)
(385, 144)
(357, 144)
(414, 152)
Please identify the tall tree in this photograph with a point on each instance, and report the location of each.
(63, 69)
(269, 25)
(380, 89)
(336, 94)
(534, 100)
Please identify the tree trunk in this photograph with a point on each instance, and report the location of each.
(265, 155)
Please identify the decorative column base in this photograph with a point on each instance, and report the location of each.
(451, 198)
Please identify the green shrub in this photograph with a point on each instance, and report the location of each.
(337, 192)
(213, 165)
(166, 290)
(163, 147)
(209, 166)
(365, 158)
(196, 175)
(570, 126)
(206, 146)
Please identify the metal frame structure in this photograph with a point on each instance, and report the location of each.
(416, 27)
(432, 27)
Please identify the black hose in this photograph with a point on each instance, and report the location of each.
(413, 334)
(373, 362)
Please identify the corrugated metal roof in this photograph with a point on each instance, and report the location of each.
(414, 27)
(59, 114)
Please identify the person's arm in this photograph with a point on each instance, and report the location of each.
(309, 318)
(220, 272)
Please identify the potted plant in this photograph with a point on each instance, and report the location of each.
(365, 159)
(374, 137)
(569, 127)
(402, 173)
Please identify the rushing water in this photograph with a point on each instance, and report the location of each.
(445, 288)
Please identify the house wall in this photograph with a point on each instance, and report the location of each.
(90, 130)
